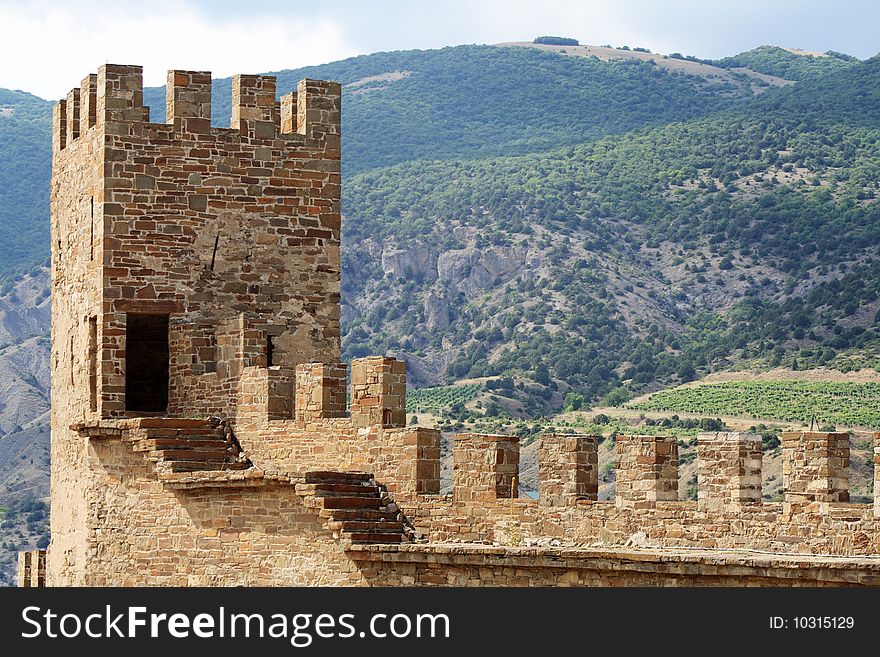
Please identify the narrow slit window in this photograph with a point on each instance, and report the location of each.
(93, 364)
(92, 228)
(270, 351)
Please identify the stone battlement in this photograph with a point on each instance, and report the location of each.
(112, 100)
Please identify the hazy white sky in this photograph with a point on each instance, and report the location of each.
(48, 47)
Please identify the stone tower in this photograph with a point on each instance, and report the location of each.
(181, 254)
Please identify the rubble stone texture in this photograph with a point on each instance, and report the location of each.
(201, 430)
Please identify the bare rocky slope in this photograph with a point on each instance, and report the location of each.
(24, 418)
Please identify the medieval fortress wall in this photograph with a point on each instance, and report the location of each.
(204, 431)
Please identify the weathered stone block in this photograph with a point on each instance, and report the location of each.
(647, 470)
(728, 469)
(485, 467)
(815, 466)
(568, 469)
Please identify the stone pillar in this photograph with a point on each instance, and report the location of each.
(320, 391)
(418, 460)
(728, 470)
(254, 113)
(188, 101)
(427, 444)
(119, 102)
(88, 96)
(378, 392)
(38, 568)
(72, 115)
(289, 112)
(647, 470)
(24, 569)
(59, 126)
(485, 467)
(265, 393)
(815, 466)
(568, 469)
(32, 569)
(319, 110)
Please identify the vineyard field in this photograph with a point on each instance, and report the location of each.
(432, 400)
(835, 403)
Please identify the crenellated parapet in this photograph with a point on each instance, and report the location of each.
(112, 100)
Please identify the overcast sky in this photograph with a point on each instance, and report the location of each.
(48, 47)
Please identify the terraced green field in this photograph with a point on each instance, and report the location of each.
(431, 400)
(843, 404)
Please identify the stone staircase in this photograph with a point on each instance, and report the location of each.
(190, 449)
(355, 507)
(352, 505)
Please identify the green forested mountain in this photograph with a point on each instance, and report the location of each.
(477, 101)
(638, 258)
(25, 161)
(788, 64)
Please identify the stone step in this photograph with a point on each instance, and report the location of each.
(171, 432)
(204, 446)
(351, 502)
(330, 490)
(326, 477)
(183, 443)
(186, 424)
(218, 455)
(358, 514)
(360, 537)
(201, 466)
(368, 526)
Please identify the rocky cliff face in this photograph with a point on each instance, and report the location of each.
(473, 270)
(416, 262)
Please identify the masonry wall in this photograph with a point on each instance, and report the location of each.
(261, 534)
(729, 515)
(481, 565)
(76, 222)
(233, 233)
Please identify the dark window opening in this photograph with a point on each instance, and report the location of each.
(93, 364)
(146, 363)
(270, 351)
